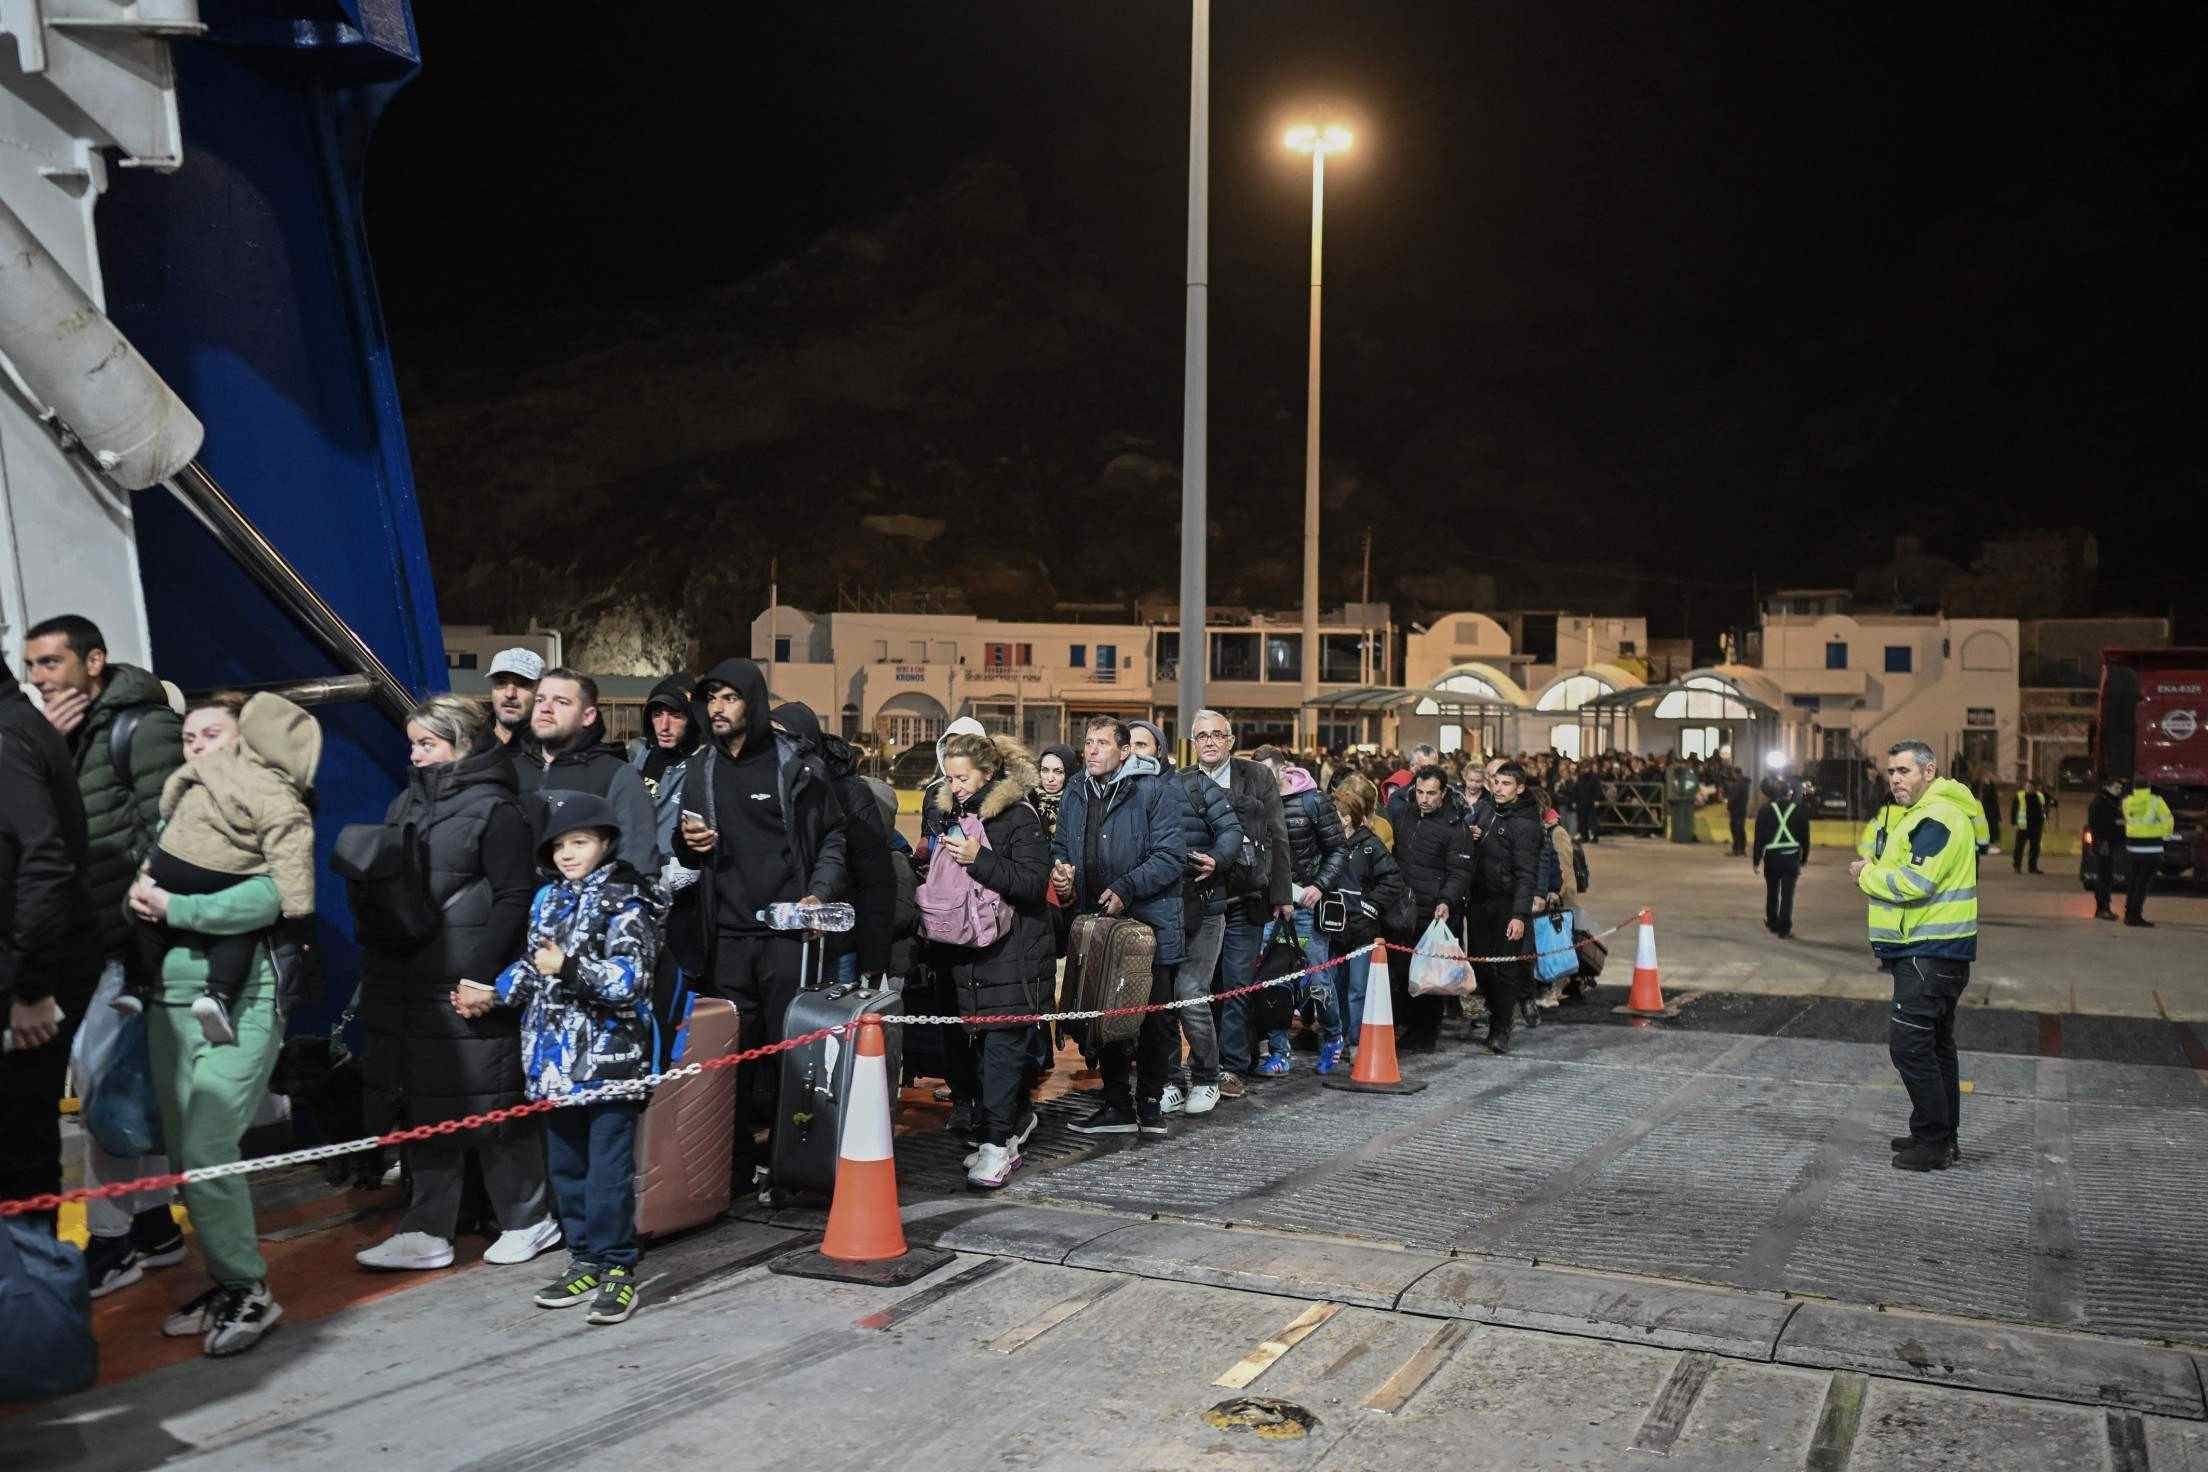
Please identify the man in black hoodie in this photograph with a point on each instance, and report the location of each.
(864, 951)
(47, 956)
(568, 753)
(762, 822)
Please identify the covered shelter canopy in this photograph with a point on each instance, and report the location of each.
(1479, 716)
(1720, 705)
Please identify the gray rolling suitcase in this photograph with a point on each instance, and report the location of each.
(816, 1078)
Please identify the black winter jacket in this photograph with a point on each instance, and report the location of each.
(1141, 852)
(810, 812)
(1209, 827)
(422, 1061)
(592, 766)
(1370, 870)
(1314, 836)
(1254, 794)
(1435, 855)
(46, 933)
(873, 887)
(1507, 861)
(1008, 976)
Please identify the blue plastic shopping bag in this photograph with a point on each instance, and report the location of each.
(1554, 955)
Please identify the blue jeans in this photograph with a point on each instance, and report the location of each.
(1319, 988)
(1237, 967)
(846, 969)
(1353, 985)
(590, 1154)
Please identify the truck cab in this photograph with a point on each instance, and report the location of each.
(2149, 723)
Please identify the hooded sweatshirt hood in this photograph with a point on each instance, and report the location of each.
(1294, 779)
(282, 736)
(1155, 735)
(1136, 765)
(674, 693)
(801, 724)
(964, 725)
(746, 679)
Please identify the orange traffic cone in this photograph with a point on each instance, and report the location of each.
(1647, 996)
(1376, 1071)
(865, 1242)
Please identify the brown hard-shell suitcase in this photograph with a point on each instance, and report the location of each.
(688, 1130)
(1109, 960)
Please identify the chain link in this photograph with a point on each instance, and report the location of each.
(640, 1087)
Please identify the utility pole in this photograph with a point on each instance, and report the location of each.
(1364, 633)
(1195, 383)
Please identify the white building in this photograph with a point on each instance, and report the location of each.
(1856, 682)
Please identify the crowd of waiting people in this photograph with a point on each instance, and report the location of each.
(538, 904)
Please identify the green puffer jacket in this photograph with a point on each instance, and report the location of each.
(120, 826)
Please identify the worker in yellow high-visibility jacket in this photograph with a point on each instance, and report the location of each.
(1923, 891)
(2147, 822)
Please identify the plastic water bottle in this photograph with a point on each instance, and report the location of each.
(790, 915)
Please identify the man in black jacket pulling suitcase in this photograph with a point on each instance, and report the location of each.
(762, 821)
(1120, 850)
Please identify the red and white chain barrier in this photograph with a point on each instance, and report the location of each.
(640, 1087)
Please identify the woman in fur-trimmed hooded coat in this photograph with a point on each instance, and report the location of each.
(989, 778)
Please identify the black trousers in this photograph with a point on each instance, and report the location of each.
(30, 1119)
(2026, 836)
(1150, 1057)
(2138, 881)
(1780, 870)
(1920, 1038)
(2104, 868)
(1590, 823)
(1503, 983)
(1739, 822)
(1417, 1019)
(999, 1080)
(757, 972)
(229, 957)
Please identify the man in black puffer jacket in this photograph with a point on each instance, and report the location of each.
(1213, 834)
(1508, 870)
(864, 950)
(1434, 849)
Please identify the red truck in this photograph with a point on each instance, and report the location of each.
(2152, 722)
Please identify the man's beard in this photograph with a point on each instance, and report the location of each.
(512, 722)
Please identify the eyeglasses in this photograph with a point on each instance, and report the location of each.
(1213, 735)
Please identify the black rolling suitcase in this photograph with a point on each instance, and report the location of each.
(816, 1078)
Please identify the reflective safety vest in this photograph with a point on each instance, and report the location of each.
(2147, 821)
(1935, 899)
(1783, 840)
(1962, 797)
(1872, 841)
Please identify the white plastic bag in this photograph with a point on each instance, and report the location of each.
(1439, 967)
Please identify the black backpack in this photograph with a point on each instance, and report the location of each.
(1579, 867)
(1255, 868)
(385, 867)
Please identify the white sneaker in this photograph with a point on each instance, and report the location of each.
(241, 1319)
(993, 1166)
(214, 1023)
(1020, 1132)
(1173, 1101)
(194, 1318)
(406, 1252)
(127, 1004)
(1202, 1099)
(523, 1243)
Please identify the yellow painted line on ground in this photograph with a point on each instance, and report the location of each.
(1050, 1318)
(1396, 1391)
(1261, 1359)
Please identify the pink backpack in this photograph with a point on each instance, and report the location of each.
(956, 910)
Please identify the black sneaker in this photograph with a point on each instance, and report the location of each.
(156, 1240)
(2140, 924)
(571, 1287)
(1109, 1119)
(1152, 1121)
(616, 1298)
(111, 1263)
(242, 1318)
(1926, 1155)
(1900, 1143)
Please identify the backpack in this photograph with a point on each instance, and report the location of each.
(121, 732)
(956, 909)
(1254, 869)
(385, 867)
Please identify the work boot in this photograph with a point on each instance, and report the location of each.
(2104, 914)
(1922, 1155)
(1954, 1147)
(2140, 924)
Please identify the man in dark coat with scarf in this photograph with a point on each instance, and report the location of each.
(767, 827)
(864, 950)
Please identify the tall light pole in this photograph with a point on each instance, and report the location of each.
(1318, 143)
(1195, 512)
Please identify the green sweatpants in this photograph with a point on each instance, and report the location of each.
(208, 1098)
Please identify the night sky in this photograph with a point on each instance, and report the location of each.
(1635, 306)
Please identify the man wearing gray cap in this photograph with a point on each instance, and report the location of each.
(514, 676)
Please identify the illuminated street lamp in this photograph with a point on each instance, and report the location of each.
(1317, 142)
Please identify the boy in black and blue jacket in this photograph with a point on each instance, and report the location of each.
(584, 984)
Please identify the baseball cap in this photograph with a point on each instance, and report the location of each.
(524, 663)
